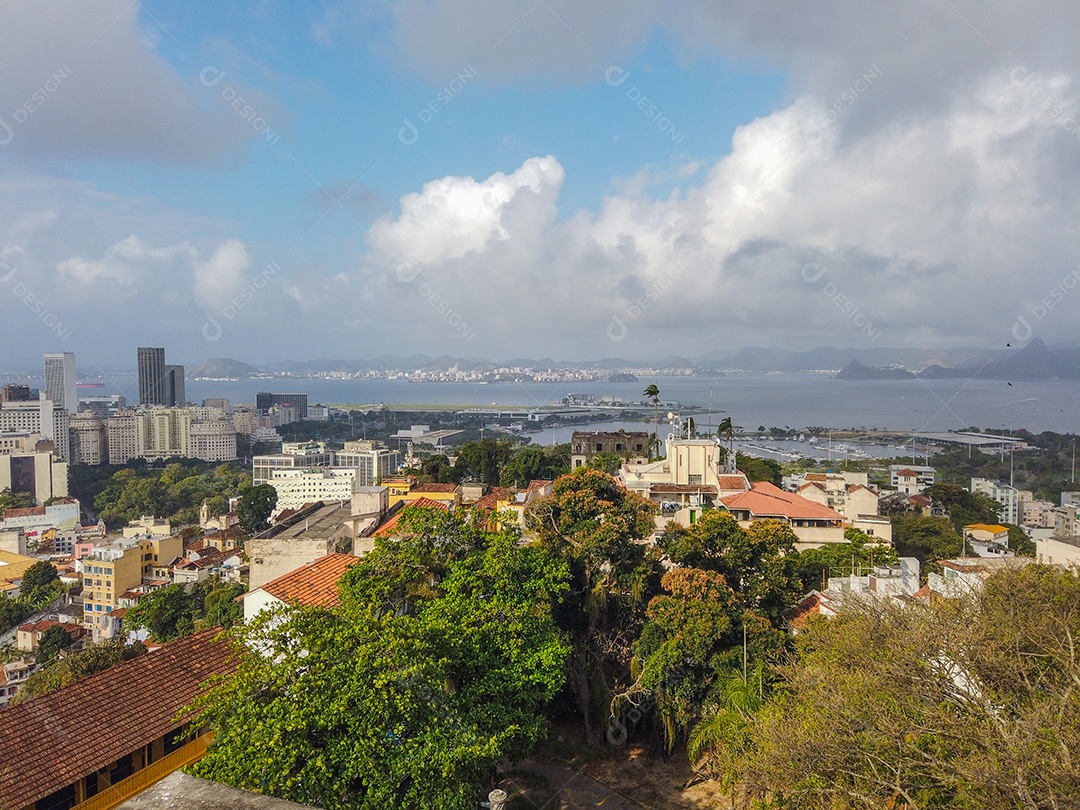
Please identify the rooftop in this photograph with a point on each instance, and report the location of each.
(314, 583)
(53, 740)
(767, 500)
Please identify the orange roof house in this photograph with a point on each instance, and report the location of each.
(310, 585)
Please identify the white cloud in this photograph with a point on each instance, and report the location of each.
(912, 224)
(219, 278)
(455, 216)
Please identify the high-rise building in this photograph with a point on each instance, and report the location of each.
(87, 431)
(151, 362)
(60, 381)
(39, 416)
(175, 395)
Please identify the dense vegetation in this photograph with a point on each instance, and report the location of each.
(176, 611)
(123, 494)
(970, 703)
(435, 668)
(40, 586)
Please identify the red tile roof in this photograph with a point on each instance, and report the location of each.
(906, 472)
(314, 583)
(56, 739)
(732, 481)
(767, 500)
(434, 488)
(30, 511)
(491, 500)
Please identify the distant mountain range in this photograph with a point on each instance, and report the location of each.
(1035, 361)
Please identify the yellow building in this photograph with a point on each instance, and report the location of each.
(407, 489)
(120, 566)
(12, 568)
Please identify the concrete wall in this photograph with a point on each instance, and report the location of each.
(271, 557)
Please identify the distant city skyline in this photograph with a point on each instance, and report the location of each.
(278, 181)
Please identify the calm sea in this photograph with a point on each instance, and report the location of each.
(782, 400)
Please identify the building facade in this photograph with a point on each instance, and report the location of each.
(87, 439)
(38, 416)
(151, 367)
(60, 381)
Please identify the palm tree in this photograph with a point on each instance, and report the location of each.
(653, 393)
(726, 431)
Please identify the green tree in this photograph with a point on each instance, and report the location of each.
(221, 608)
(167, 613)
(970, 703)
(600, 528)
(255, 507)
(652, 393)
(531, 463)
(52, 642)
(837, 559)
(37, 583)
(606, 462)
(396, 699)
(963, 506)
(759, 563)
(483, 460)
(13, 611)
(930, 539)
(759, 469)
(15, 500)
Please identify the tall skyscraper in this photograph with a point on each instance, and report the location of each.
(60, 381)
(152, 381)
(174, 386)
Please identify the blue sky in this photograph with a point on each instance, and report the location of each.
(266, 180)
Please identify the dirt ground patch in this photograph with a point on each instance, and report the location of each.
(654, 783)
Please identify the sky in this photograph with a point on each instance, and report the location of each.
(272, 180)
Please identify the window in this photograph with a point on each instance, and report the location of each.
(694, 479)
(599, 447)
(618, 446)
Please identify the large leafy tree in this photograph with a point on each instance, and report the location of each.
(759, 563)
(52, 642)
(14, 500)
(37, 582)
(436, 667)
(859, 553)
(483, 460)
(604, 533)
(930, 539)
(255, 507)
(167, 613)
(966, 704)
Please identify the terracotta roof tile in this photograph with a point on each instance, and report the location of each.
(732, 481)
(491, 500)
(767, 500)
(314, 583)
(675, 489)
(434, 488)
(53, 740)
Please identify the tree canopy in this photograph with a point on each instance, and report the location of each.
(436, 667)
(969, 703)
(255, 507)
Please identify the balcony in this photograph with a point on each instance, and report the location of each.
(156, 771)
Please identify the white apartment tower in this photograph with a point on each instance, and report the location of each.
(60, 381)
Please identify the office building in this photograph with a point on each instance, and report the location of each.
(175, 396)
(60, 381)
(151, 363)
(12, 392)
(88, 441)
(265, 401)
(372, 460)
(28, 463)
(39, 416)
(213, 440)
